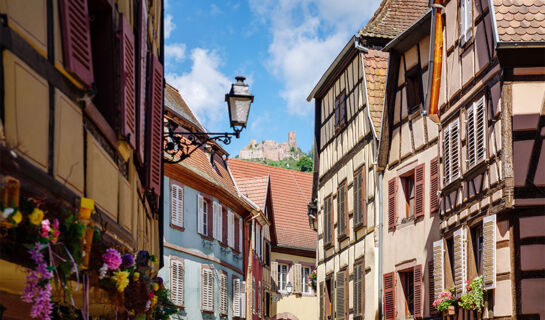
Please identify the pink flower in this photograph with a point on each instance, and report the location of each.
(112, 258)
(45, 228)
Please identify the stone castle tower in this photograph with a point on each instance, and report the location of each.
(292, 139)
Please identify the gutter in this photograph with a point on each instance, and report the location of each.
(380, 245)
(494, 24)
(520, 45)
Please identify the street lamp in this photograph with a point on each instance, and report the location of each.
(179, 145)
(312, 212)
(289, 287)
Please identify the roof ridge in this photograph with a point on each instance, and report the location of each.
(266, 165)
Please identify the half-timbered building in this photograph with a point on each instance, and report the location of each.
(81, 90)
(492, 159)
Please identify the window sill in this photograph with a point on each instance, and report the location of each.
(359, 226)
(172, 226)
(452, 185)
(475, 169)
(207, 311)
(205, 237)
(328, 245)
(342, 237)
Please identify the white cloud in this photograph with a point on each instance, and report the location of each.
(169, 25)
(307, 35)
(175, 52)
(204, 88)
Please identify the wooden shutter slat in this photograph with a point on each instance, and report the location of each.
(392, 190)
(438, 266)
(389, 296)
(363, 195)
(489, 252)
(434, 185)
(471, 156)
(154, 131)
(480, 129)
(419, 177)
(298, 284)
(431, 287)
(455, 150)
(200, 214)
(128, 82)
(177, 282)
(340, 296)
(274, 275)
(459, 261)
(446, 155)
(418, 291)
(237, 234)
(177, 205)
(76, 40)
(141, 82)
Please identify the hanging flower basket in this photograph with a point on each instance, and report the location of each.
(445, 302)
(312, 280)
(473, 299)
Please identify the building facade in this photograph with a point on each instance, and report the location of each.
(491, 107)
(408, 160)
(204, 239)
(80, 107)
(288, 246)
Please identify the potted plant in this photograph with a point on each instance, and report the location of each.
(312, 280)
(473, 299)
(445, 302)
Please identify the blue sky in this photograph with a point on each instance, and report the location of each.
(281, 46)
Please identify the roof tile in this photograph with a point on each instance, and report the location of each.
(519, 20)
(394, 16)
(376, 64)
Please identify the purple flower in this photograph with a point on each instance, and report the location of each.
(127, 260)
(112, 258)
(159, 280)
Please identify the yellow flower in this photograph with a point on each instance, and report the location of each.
(36, 216)
(121, 279)
(135, 276)
(153, 301)
(155, 286)
(17, 217)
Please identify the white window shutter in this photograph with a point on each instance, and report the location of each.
(471, 141)
(177, 205)
(489, 252)
(274, 275)
(230, 229)
(454, 149)
(210, 289)
(480, 129)
(460, 261)
(216, 227)
(236, 297)
(438, 265)
(463, 21)
(446, 155)
(220, 223)
(297, 281)
(243, 300)
(469, 19)
(240, 234)
(200, 214)
(223, 293)
(177, 282)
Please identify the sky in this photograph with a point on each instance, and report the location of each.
(282, 47)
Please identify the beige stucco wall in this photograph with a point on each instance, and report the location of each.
(304, 307)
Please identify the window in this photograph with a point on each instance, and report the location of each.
(359, 290)
(408, 187)
(340, 111)
(414, 96)
(450, 252)
(240, 234)
(327, 227)
(451, 152)
(267, 304)
(267, 253)
(207, 288)
(407, 284)
(305, 273)
(223, 293)
(176, 205)
(477, 239)
(476, 133)
(466, 21)
(177, 282)
(283, 270)
(203, 218)
(342, 215)
(360, 195)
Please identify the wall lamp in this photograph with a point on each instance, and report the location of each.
(179, 145)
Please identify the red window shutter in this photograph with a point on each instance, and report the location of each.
(389, 296)
(236, 234)
(128, 88)
(434, 185)
(76, 39)
(224, 226)
(154, 132)
(392, 190)
(419, 174)
(418, 291)
(141, 84)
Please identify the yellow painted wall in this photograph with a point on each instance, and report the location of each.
(302, 306)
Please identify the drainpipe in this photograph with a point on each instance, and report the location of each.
(380, 244)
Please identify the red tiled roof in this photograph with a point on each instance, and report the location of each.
(290, 192)
(255, 189)
(520, 20)
(393, 17)
(376, 66)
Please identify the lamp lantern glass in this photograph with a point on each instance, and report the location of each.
(239, 100)
(289, 287)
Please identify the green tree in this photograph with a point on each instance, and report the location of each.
(305, 164)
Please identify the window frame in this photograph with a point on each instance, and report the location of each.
(447, 162)
(463, 37)
(342, 194)
(474, 108)
(406, 180)
(283, 289)
(414, 103)
(360, 214)
(306, 289)
(328, 221)
(406, 278)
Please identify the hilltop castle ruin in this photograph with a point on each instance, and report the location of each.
(271, 150)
